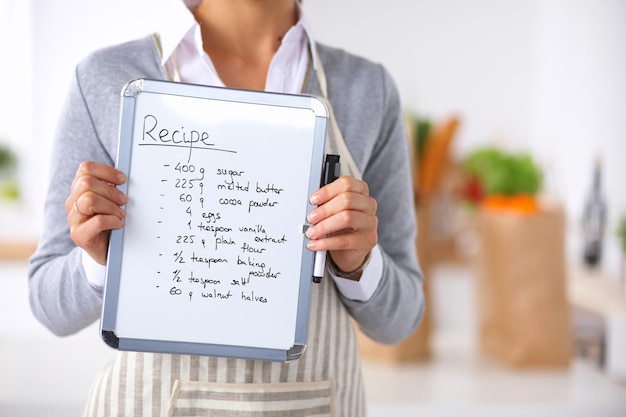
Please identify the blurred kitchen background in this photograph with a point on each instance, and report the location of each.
(514, 108)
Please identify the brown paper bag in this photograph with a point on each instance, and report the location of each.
(523, 307)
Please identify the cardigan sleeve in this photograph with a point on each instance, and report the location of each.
(396, 306)
(60, 294)
(61, 298)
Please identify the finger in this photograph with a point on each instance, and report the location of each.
(343, 202)
(348, 250)
(90, 204)
(345, 184)
(99, 177)
(100, 171)
(75, 208)
(90, 229)
(343, 222)
(354, 244)
(87, 185)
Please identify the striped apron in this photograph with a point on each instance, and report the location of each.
(325, 381)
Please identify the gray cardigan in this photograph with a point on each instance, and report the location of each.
(366, 104)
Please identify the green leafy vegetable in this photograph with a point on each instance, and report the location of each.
(499, 172)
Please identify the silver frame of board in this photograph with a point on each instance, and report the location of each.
(110, 303)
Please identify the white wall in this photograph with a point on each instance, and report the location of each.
(578, 107)
(540, 75)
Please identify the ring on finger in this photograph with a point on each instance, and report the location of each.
(76, 208)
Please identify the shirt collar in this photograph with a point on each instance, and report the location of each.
(179, 24)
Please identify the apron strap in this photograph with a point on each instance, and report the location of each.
(172, 75)
(335, 143)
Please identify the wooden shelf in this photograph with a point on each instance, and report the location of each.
(14, 250)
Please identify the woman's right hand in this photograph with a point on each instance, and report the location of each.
(93, 207)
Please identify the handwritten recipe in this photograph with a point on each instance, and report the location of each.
(213, 242)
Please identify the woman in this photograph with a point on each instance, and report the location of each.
(367, 214)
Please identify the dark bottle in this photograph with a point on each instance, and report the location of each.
(594, 217)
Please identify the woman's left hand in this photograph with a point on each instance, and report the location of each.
(345, 223)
